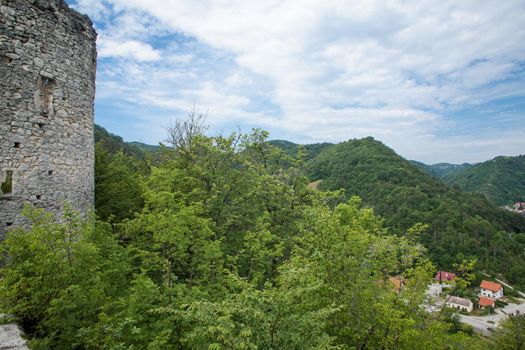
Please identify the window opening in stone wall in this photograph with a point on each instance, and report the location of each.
(50, 172)
(7, 185)
(8, 223)
(38, 196)
(46, 88)
(17, 144)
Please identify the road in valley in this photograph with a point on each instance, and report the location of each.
(482, 324)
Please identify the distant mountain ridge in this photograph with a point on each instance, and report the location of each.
(442, 170)
(114, 143)
(501, 180)
(145, 146)
(291, 149)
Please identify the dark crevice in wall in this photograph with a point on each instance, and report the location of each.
(7, 185)
(6, 60)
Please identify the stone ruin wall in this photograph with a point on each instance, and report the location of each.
(47, 90)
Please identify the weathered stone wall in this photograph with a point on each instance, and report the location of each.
(47, 90)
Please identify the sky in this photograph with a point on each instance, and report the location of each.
(437, 81)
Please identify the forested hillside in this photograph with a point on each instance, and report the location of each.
(501, 179)
(461, 225)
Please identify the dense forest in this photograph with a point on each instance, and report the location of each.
(219, 243)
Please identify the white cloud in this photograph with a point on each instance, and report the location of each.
(96, 10)
(334, 69)
(134, 49)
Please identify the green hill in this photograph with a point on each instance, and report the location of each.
(461, 225)
(145, 146)
(501, 179)
(442, 170)
(114, 143)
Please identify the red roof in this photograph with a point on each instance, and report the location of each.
(483, 301)
(445, 276)
(493, 286)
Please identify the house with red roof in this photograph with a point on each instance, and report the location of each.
(486, 302)
(491, 290)
(444, 276)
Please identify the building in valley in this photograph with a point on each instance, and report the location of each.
(462, 304)
(491, 290)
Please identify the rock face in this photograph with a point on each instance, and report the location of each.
(47, 90)
(11, 338)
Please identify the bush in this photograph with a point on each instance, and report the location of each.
(501, 303)
(511, 293)
(485, 312)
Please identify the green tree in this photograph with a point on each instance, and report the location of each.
(260, 253)
(464, 277)
(510, 335)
